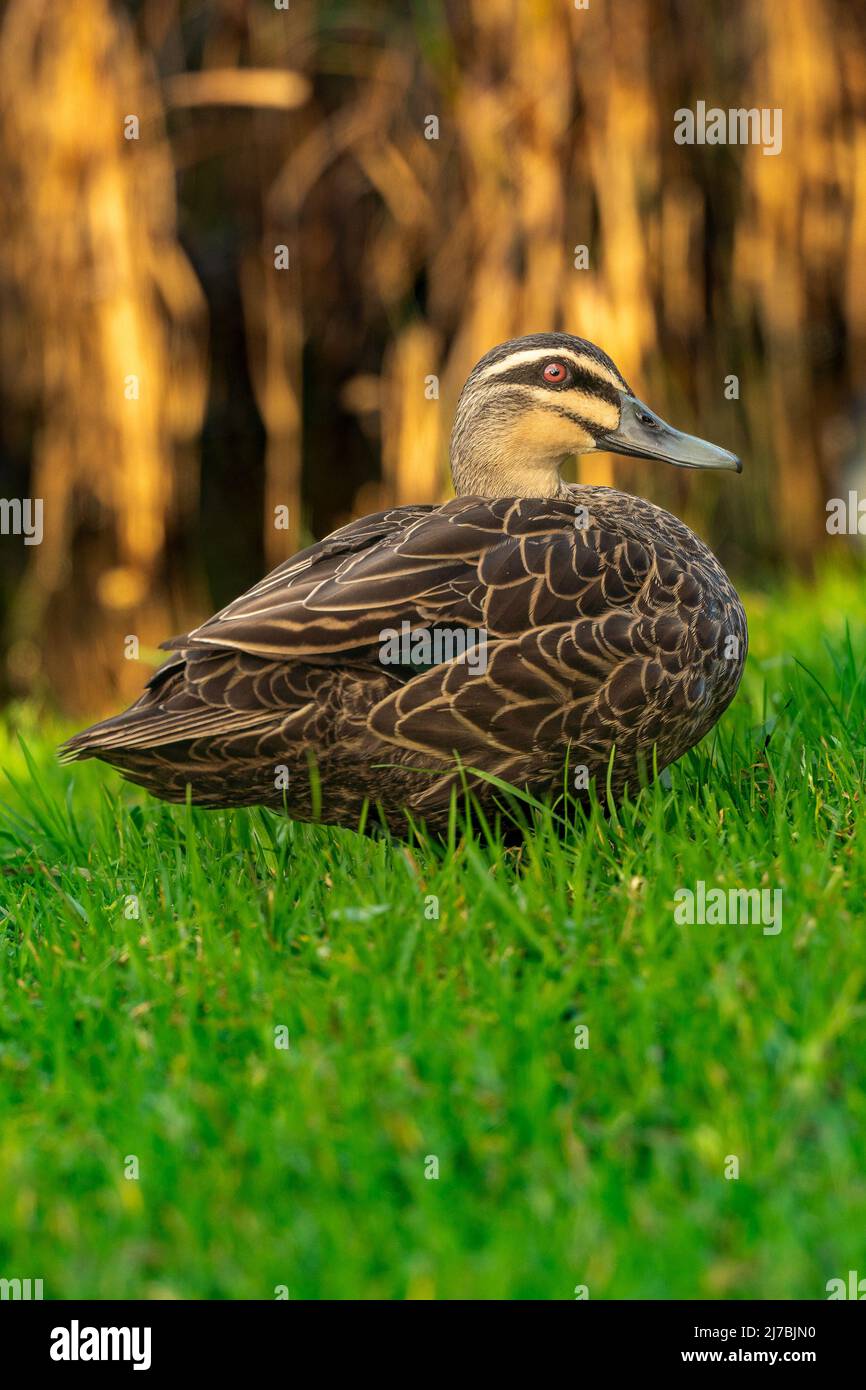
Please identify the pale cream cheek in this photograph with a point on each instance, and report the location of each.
(537, 436)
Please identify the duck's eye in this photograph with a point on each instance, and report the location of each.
(555, 373)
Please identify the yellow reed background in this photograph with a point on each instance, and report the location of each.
(308, 388)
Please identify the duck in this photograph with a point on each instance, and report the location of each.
(529, 633)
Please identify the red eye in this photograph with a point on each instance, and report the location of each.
(554, 372)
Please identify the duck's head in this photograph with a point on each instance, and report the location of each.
(531, 403)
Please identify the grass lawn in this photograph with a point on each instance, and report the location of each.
(150, 1042)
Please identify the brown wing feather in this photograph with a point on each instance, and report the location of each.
(472, 561)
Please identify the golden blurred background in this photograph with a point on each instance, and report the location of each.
(173, 380)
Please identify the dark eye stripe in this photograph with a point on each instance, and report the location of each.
(591, 426)
(531, 374)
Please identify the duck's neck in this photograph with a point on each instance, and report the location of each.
(496, 472)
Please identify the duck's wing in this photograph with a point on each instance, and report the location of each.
(504, 564)
(323, 557)
(556, 603)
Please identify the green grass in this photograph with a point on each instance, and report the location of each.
(411, 1037)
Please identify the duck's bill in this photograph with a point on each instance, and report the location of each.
(643, 434)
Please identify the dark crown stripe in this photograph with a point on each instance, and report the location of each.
(552, 342)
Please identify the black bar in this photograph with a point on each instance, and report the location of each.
(235, 1337)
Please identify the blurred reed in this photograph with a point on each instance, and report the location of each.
(409, 257)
